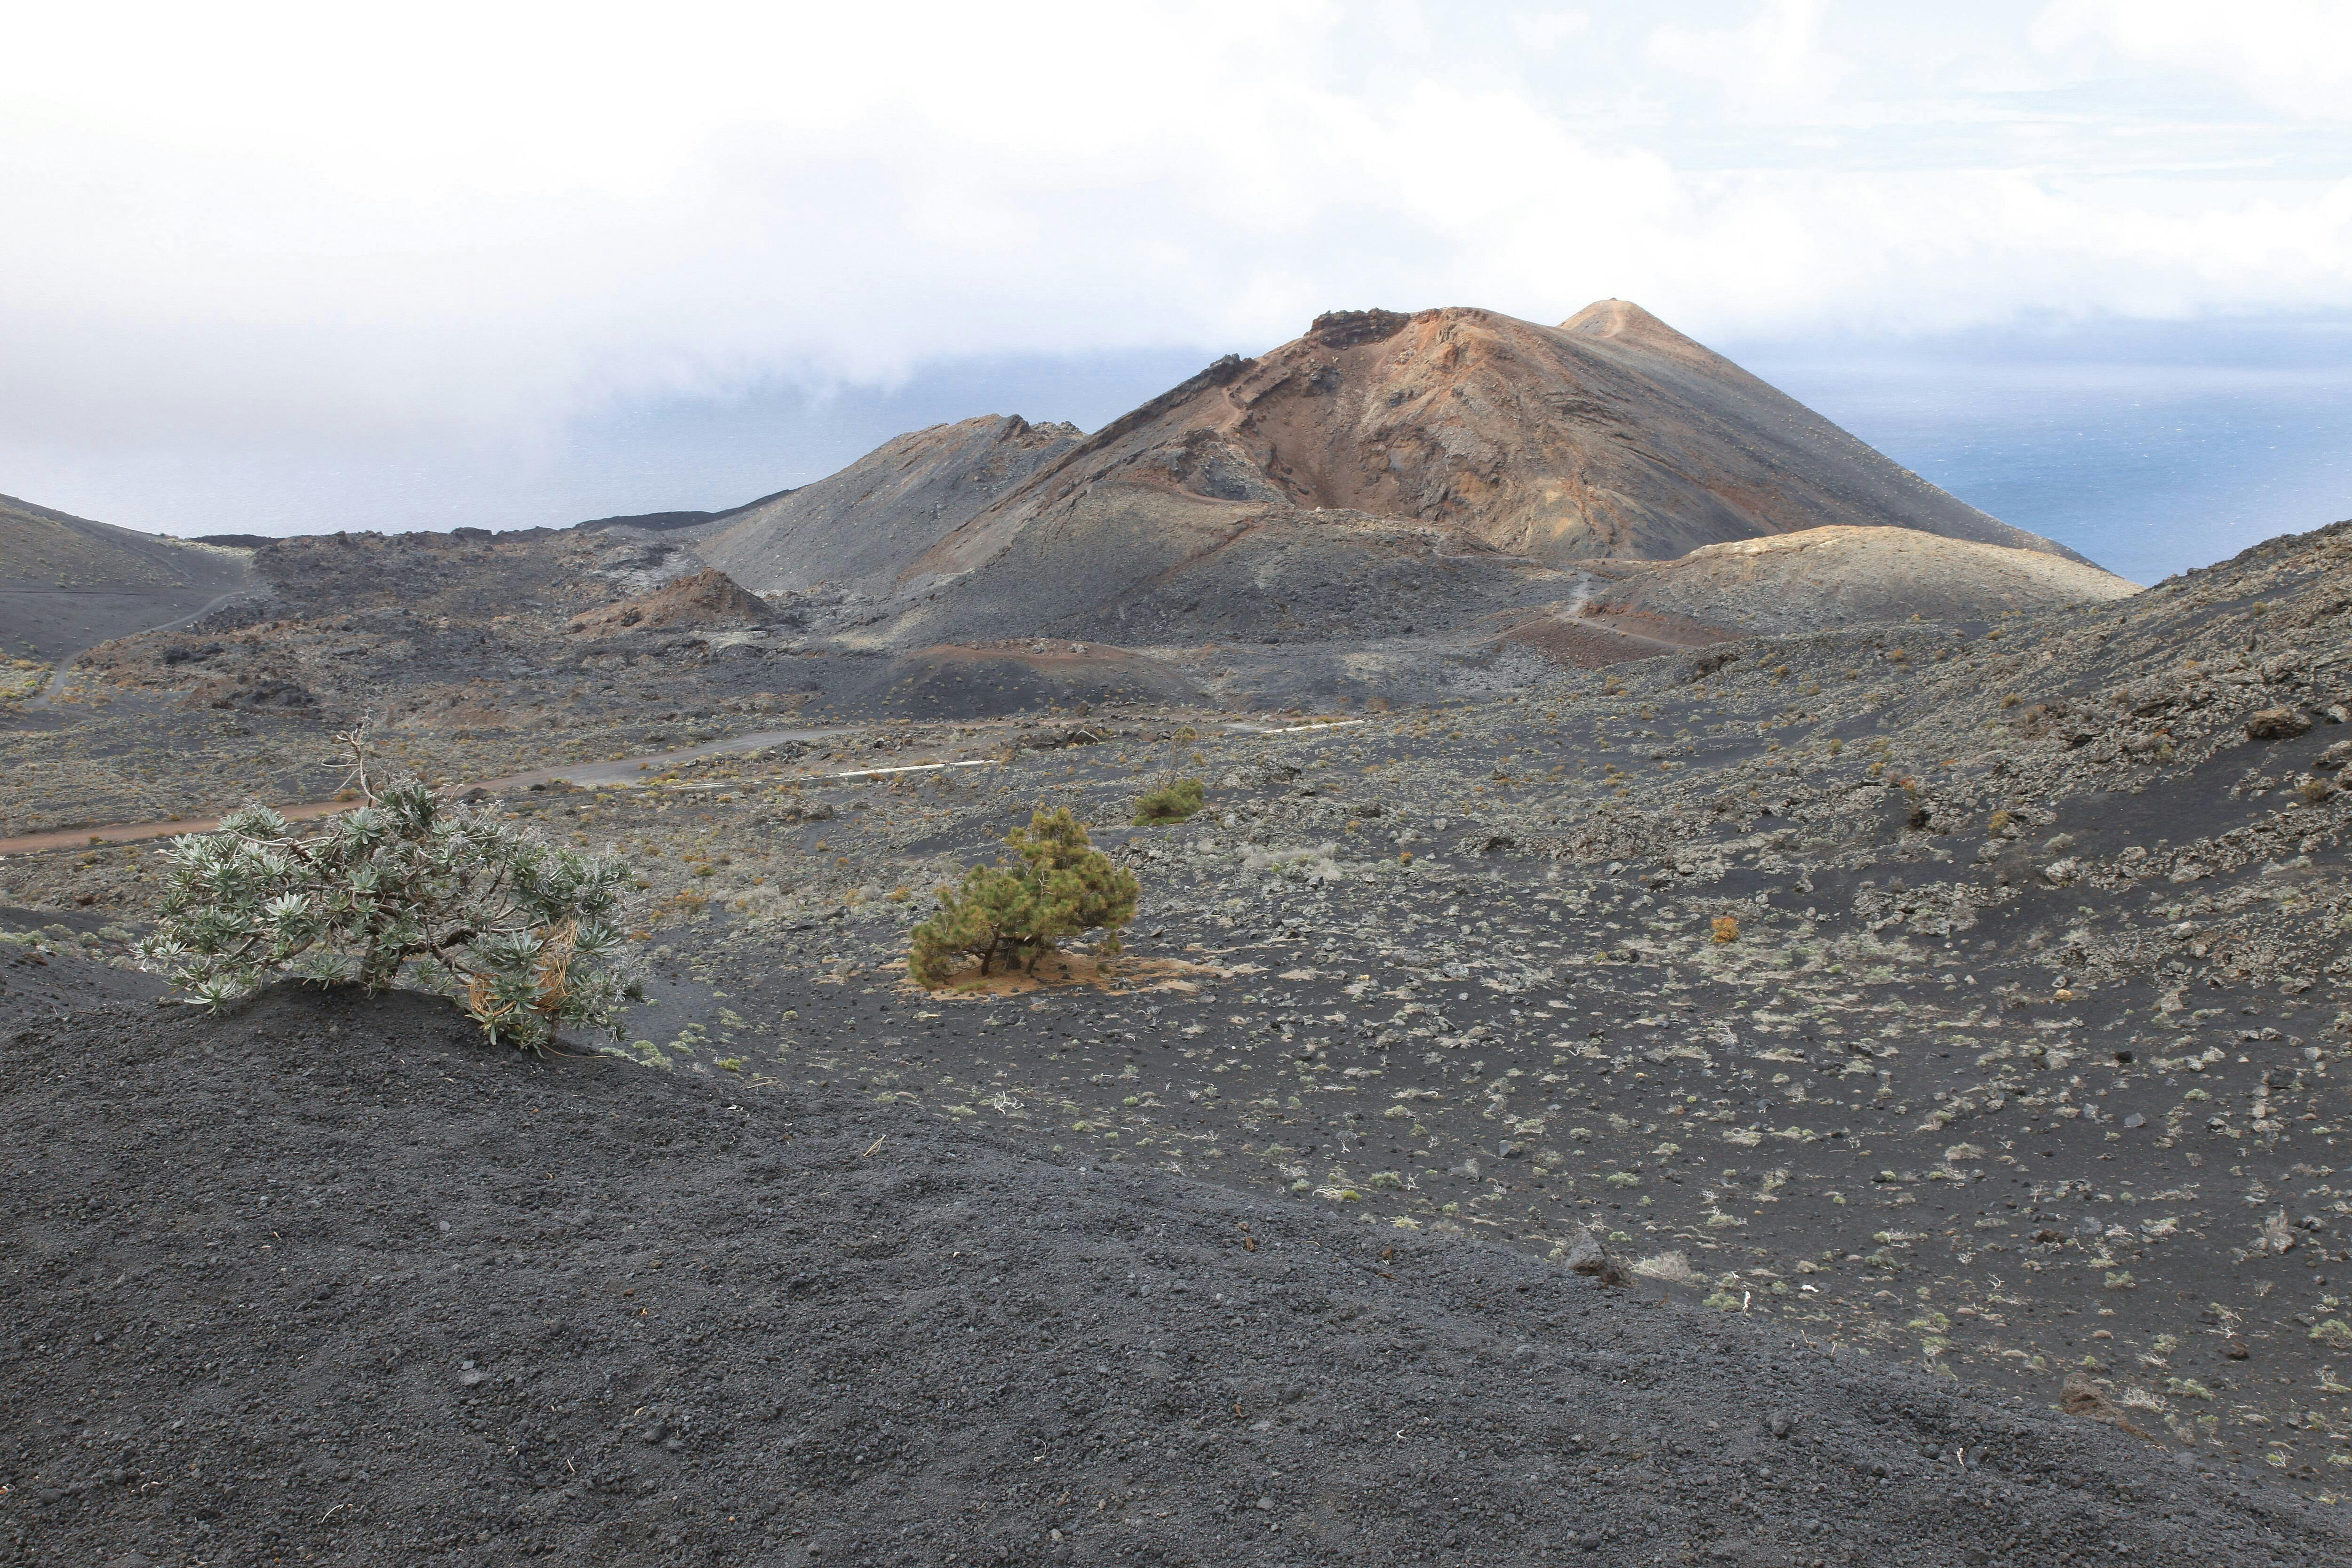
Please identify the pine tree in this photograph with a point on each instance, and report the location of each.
(1015, 914)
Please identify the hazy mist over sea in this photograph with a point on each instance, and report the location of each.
(2149, 449)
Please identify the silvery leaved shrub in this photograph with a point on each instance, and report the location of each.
(407, 887)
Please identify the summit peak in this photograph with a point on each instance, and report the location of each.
(1625, 320)
(1625, 324)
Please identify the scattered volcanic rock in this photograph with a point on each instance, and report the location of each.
(468, 574)
(1148, 567)
(1964, 995)
(53, 963)
(66, 583)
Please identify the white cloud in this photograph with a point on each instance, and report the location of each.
(466, 223)
(2292, 54)
(1777, 55)
(1545, 31)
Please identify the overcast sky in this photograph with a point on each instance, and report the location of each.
(264, 260)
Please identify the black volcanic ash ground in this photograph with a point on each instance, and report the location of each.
(334, 1281)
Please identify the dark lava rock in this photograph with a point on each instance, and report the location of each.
(1588, 1257)
(265, 694)
(2278, 725)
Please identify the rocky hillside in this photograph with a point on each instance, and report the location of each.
(487, 654)
(858, 529)
(708, 599)
(66, 583)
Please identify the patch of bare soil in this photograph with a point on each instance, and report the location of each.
(1598, 635)
(955, 680)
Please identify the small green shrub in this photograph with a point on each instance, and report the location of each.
(1173, 797)
(460, 903)
(1015, 914)
(1174, 802)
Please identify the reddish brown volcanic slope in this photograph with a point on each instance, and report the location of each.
(707, 598)
(1384, 475)
(1611, 434)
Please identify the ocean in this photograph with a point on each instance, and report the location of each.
(2150, 451)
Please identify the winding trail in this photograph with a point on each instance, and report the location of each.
(46, 698)
(627, 770)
